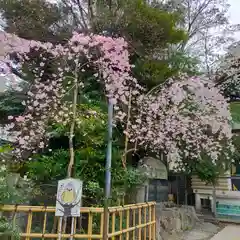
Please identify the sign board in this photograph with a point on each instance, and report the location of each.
(228, 209)
(69, 195)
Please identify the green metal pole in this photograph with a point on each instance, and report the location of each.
(108, 171)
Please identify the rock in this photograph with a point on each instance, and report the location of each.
(172, 220)
(182, 223)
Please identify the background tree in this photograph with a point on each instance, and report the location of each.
(207, 25)
(37, 20)
(227, 74)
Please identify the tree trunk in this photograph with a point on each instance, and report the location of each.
(214, 200)
(124, 157)
(71, 133)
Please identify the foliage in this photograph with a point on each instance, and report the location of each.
(46, 170)
(13, 188)
(208, 28)
(90, 148)
(11, 194)
(11, 104)
(143, 25)
(235, 111)
(236, 142)
(7, 229)
(227, 76)
(208, 172)
(36, 20)
(153, 72)
(16, 194)
(185, 63)
(152, 34)
(5, 148)
(5, 152)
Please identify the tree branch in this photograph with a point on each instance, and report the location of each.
(124, 157)
(72, 127)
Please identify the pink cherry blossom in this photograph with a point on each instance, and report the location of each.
(20, 119)
(183, 119)
(46, 102)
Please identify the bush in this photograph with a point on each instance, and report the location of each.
(11, 192)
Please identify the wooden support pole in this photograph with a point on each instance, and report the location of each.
(90, 225)
(139, 223)
(120, 223)
(127, 224)
(150, 220)
(113, 224)
(145, 221)
(134, 222)
(154, 225)
(29, 224)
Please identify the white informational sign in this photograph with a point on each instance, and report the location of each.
(69, 195)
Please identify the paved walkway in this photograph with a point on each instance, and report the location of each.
(201, 231)
(230, 232)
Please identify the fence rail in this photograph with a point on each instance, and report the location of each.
(129, 222)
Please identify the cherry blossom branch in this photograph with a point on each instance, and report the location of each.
(129, 150)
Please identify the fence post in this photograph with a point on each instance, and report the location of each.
(120, 223)
(90, 225)
(127, 223)
(139, 223)
(154, 219)
(149, 221)
(113, 223)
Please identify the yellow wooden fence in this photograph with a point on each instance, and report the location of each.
(129, 222)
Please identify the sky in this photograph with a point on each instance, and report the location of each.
(234, 13)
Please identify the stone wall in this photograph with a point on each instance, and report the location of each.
(172, 220)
